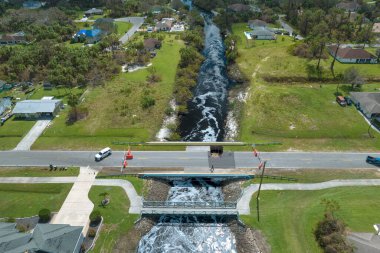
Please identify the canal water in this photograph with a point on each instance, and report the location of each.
(190, 234)
(207, 109)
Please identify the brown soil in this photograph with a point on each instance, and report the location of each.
(249, 240)
(156, 190)
(232, 190)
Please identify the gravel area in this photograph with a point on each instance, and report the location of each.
(232, 190)
(157, 190)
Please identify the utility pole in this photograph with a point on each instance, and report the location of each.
(369, 129)
(258, 193)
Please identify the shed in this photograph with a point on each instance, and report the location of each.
(352, 55)
(261, 33)
(37, 108)
(367, 102)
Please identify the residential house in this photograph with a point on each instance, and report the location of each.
(262, 33)
(91, 36)
(49, 238)
(367, 102)
(32, 5)
(257, 23)
(37, 108)
(352, 55)
(156, 10)
(365, 242)
(178, 28)
(93, 11)
(239, 7)
(152, 44)
(13, 39)
(349, 6)
(163, 25)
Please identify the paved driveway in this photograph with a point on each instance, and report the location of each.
(136, 21)
(32, 135)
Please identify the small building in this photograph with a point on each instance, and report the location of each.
(239, 7)
(91, 36)
(156, 10)
(365, 242)
(261, 33)
(13, 39)
(32, 5)
(367, 102)
(348, 6)
(152, 44)
(37, 108)
(93, 11)
(177, 28)
(57, 238)
(352, 55)
(257, 23)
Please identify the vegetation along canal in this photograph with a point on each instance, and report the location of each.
(207, 110)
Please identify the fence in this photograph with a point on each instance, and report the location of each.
(191, 205)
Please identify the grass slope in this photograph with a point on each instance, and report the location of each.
(115, 112)
(117, 220)
(23, 200)
(37, 172)
(288, 218)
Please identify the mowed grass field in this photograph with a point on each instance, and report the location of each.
(38, 172)
(115, 111)
(301, 116)
(117, 220)
(122, 27)
(24, 200)
(288, 218)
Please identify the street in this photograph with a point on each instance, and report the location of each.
(191, 160)
(136, 21)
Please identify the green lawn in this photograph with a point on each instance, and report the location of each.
(13, 131)
(115, 112)
(302, 116)
(275, 61)
(38, 172)
(137, 182)
(117, 220)
(122, 27)
(24, 200)
(288, 217)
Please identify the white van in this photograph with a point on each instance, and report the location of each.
(103, 154)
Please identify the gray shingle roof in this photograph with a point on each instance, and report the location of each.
(36, 106)
(369, 101)
(261, 31)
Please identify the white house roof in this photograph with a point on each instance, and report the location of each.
(36, 106)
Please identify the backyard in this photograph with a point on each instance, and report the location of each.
(288, 218)
(115, 111)
(301, 115)
(24, 200)
(117, 220)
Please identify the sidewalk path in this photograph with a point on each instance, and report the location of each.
(32, 135)
(243, 203)
(77, 207)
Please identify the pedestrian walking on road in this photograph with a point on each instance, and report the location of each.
(212, 169)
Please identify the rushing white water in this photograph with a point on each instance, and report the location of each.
(164, 133)
(190, 234)
(207, 110)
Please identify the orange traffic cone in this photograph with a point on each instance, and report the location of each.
(129, 154)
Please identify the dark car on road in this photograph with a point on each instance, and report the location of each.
(348, 101)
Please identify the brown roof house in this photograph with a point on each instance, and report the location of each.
(352, 55)
(349, 6)
(164, 25)
(12, 39)
(239, 7)
(257, 23)
(152, 44)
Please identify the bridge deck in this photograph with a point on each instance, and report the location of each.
(186, 211)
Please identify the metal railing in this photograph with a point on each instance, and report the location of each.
(191, 205)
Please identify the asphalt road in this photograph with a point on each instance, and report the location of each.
(190, 160)
(136, 21)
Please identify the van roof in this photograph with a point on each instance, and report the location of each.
(105, 149)
(340, 97)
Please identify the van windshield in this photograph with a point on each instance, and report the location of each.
(100, 153)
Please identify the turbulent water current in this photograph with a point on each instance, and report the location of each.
(190, 234)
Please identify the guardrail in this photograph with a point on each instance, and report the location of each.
(182, 212)
(191, 205)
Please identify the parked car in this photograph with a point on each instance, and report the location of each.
(348, 100)
(373, 160)
(103, 154)
(341, 101)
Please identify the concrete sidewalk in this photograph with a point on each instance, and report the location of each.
(243, 203)
(77, 207)
(33, 134)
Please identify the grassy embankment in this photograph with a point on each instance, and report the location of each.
(300, 115)
(24, 200)
(288, 218)
(117, 220)
(115, 112)
(38, 172)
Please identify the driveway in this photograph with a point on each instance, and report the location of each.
(32, 135)
(136, 21)
(288, 28)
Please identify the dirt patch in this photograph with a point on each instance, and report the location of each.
(156, 190)
(248, 240)
(130, 241)
(232, 190)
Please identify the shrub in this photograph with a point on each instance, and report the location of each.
(91, 232)
(147, 101)
(44, 215)
(95, 216)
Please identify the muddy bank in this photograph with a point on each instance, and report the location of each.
(248, 240)
(129, 242)
(232, 190)
(156, 190)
